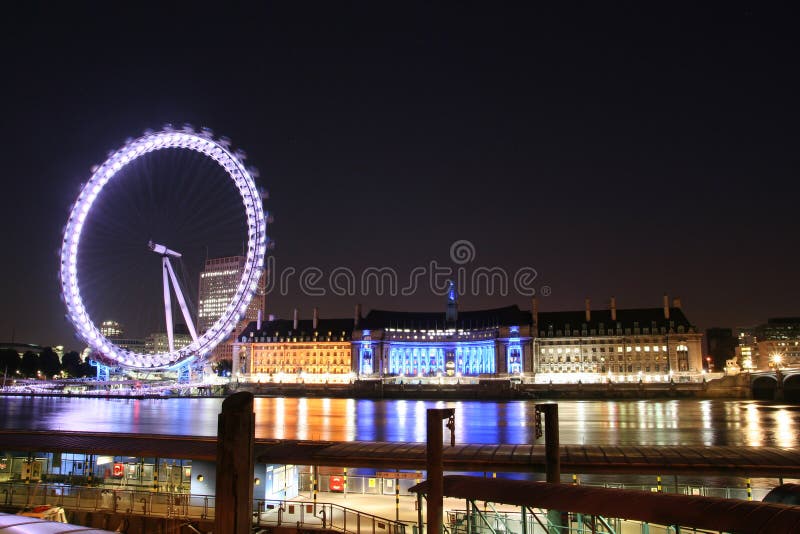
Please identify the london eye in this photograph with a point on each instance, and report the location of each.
(130, 197)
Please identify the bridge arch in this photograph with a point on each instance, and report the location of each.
(764, 387)
(791, 388)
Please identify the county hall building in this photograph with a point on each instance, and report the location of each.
(648, 344)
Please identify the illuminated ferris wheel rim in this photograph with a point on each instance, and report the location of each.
(254, 262)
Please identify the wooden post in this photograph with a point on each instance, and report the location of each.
(235, 463)
(552, 458)
(420, 524)
(552, 452)
(435, 467)
(315, 484)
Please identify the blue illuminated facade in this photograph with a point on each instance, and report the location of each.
(514, 352)
(470, 344)
(425, 352)
(468, 358)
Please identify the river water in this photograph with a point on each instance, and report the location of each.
(591, 422)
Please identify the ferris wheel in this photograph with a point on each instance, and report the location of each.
(254, 240)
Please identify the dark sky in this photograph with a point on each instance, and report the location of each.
(615, 151)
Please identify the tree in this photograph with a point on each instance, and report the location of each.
(29, 364)
(49, 363)
(86, 370)
(223, 367)
(71, 362)
(9, 361)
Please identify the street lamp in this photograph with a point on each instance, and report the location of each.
(776, 358)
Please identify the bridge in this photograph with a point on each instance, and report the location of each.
(776, 384)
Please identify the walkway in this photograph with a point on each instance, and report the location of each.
(772, 462)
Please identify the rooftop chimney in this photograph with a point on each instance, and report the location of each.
(357, 317)
(535, 316)
(588, 310)
(258, 321)
(294, 320)
(315, 320)
(613, 308)
(666, 307)
(676, 302)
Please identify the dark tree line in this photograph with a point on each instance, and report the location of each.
(45, 365)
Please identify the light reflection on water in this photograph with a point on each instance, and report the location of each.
(591, 422)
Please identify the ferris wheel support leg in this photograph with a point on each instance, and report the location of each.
(184, 373)
(167, 303)
(181, 301)
(103, 371)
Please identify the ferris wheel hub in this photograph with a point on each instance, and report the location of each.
(163, 250)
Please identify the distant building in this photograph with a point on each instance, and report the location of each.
(746, 349)
(159, 341)
(451, 343)
(218, 282)
(778, 343)
(647, 344)
(114, 331)
(295, 350)
(620, 344)
(111, 329)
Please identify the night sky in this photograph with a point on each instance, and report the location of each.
(616, 152)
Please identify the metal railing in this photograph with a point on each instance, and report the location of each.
(366, 485)
(323, 515)
(299, 514)
(536, 522)
(124, 501)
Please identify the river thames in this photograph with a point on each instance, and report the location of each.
(596, 422)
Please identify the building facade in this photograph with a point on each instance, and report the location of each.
(218, 282)
(746, 348)
(649, 344)
(482, 343)
(317, 350)
(778, 343)
(158, 342)
(111, 329)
